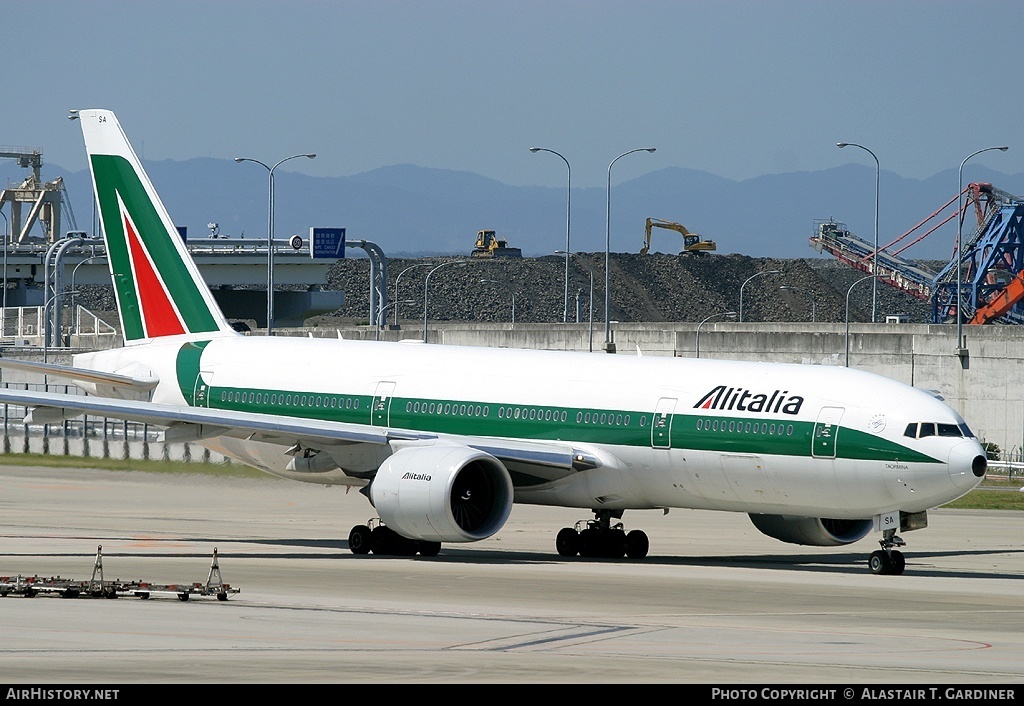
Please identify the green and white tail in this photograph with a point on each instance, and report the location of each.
(158, 287)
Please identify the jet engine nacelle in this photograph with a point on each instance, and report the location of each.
(812, 531)
(442, 493)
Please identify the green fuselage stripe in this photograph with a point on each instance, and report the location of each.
(703, 432)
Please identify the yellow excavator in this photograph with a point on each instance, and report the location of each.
(692, 243)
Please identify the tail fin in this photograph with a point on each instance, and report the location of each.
(158, 287)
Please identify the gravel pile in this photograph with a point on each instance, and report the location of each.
(654, 287)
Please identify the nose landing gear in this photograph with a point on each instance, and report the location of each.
(887, 560)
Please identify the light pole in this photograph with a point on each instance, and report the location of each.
(383, 312)
(706, 319)
(862, 279)
(270, 233)
(399, 277)
(7, 242)
(758, 274)
(591, 306)
(874, 257)
(814, 313)
(74, 317)
(609, 347)
(568, 201)
(494, 281)
(961, 348)
(46, 308)
(426, 284)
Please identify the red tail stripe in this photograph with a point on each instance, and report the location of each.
(158, 314)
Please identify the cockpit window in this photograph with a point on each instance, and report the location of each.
(919, 430)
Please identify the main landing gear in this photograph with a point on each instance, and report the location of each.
(887, 560)
(375, 537)
(600, 538)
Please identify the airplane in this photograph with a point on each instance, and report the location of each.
(815, 455)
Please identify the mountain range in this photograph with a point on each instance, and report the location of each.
(413, 211)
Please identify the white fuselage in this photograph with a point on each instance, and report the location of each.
(798, 440)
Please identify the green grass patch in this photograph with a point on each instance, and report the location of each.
(233, 470)
(994, 493)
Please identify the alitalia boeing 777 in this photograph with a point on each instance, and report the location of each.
(815, 455)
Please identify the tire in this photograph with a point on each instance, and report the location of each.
(899, 563)
(879, 562)
(429, 548)
(589, 543)
(360, 539)
(182, 597)
(567, 542)
(637, 544)
(222, 596)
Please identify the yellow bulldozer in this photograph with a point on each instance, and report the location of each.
(488, 244)
(692, 243)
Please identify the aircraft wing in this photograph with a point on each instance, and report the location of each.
(535, 461)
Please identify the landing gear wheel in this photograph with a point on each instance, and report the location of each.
(879, 562)
(898, 562)
(637, 544)
(567, 542)
(887, 560)
(589, 543)
(360, 539)
(385, 541)
(429, 548)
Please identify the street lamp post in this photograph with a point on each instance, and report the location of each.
(74, 312)
(814, 308)
(874, 256)
(383, 312)
(706, 319)
(568, 202)
(609, 347)
(270, 233)
(848, 291)
(46, 308)
(494, 281)
(399, 277)
(7, 243)
(426, 284)
(591, 305)
(758, 274)
(961, 347)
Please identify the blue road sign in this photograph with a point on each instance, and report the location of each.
(327, 243)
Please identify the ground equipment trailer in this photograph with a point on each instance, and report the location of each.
(97, 587)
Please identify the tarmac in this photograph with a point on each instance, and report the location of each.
(715, 603)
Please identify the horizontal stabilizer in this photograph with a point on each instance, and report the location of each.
(81, 374)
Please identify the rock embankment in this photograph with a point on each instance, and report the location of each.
(654, 287)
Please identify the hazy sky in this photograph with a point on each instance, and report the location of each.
(734, 88)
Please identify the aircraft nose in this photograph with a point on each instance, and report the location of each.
(967, 464)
